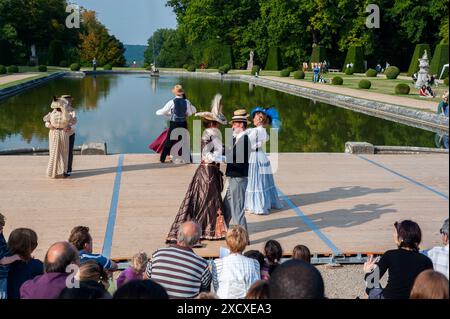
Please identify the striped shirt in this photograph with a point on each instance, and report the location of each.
(234, 275)
(180, 271)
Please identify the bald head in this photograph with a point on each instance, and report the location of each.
(59, 256)
(189, 234)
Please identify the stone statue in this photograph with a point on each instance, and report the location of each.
(251, 62)
(33, 57)
(422, 76)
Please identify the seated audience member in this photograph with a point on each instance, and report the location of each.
(50, 285)
(22, 242)
(257, 255)
(404, 264)
(234, 274)
(273, 253)
(82, 240)
(296, 279)
(135, 271)
(82, 293)
(185, 282)
(443, 105)
(141, 289)
(207, 296)
(259, 290)
(439, 255)
(430, 285)
(302, 253)
(431, 92)
(423, 92)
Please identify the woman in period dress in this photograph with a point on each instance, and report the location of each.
(261, 195)
(58, 140)
(203, 201)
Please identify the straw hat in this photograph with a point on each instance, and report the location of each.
(241, 116)
(59, 103)
(216, 114)
(178, 90)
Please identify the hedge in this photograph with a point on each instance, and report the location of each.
(274, 59)
(191, 68)
(349, 71)
(107, 67)
(402, 88)
(365, 84)
(418, 53)
(355, 55)
(446, 81)
(299, 75)
(256, 69)
(285, 73)
(224, 69)
(75, 67)
(42, 68)
(291, 69)
(3, 69)
(440, 59)
(319, 54)
(337, 80)
(6, 55)
(55, 53)
(64, 64)
(13, 69)
(392, 72)
(371, 73)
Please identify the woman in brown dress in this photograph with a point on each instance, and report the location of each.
(203, 201)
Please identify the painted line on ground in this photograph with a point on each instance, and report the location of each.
(309, 223)
(109, 234)
(409, 179)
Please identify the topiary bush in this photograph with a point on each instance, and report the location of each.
(349, 71)
(446, 81)
(299, 75)
(285, 73)
(365, 84)
(75, 67)
(355, 55)
(319, 54)
(371, 73)
(418, 53)
(290, 69)
(3, 69)
(55, 53)
(13, 69)
(107, 67)
(42, 68)
(186, 66)
(256, 69)
(337, 80)
(392, 72)
(224, 69)
(440, 59)
(64, 64)
(191, 68)
(402, 88)
(274, 59)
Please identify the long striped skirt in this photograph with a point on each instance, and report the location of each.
(59, 153)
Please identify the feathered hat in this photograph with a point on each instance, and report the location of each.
(216, 114)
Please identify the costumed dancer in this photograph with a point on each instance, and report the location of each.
(261, 195)
(203, 201)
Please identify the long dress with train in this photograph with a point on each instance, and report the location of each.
(203, 201)
(261, 195)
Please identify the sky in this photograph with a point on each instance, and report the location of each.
(131, 21)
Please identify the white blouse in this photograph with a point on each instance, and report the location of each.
(258, 137)
(213, 150)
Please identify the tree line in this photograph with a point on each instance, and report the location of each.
(42, 24)
(294, 26)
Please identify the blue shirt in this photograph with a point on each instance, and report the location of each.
(99, 259)
(19, 273)
(4, 252)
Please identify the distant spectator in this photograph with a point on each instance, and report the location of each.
(94, 64)
(302, 253)
(378, 68)
(404, 264)
(234, 274)
(415, 78)
(296, 279)
(443, 105)
(207, 296)
(430, 285)
(439, 255)
(178, 269)
(316, 73)
(423, 92)
(22, 242)
(82, 240)
(431, 92)
(273, 253)
(53, 281)
(257, 255)
(141, 289)
(431, 80)
(258, 291)
(135, 271)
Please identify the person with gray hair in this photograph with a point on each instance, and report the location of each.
(439, 254)
(178, 268)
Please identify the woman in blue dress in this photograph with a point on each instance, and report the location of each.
(262, 194)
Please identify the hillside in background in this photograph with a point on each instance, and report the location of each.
(135, 53)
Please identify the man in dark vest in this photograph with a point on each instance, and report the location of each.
(237, 158)
(178, 110)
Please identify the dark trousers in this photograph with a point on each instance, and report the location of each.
(71, 145)
(168, 144)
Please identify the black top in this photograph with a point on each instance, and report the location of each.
(403, 266)
(237, 162)
(179, 110)
(21, 271)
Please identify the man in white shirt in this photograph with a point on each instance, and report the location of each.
(178, 110)
(439, 255)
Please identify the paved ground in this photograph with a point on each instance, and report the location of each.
(17, 77)
(336, 202)
(425, 105)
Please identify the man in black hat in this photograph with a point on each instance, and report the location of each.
(237, 171)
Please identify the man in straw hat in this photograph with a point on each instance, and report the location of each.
(178, 110)
(237, 171)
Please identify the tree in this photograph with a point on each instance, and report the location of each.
(156, 43)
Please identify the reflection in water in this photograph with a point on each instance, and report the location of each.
(120, 110)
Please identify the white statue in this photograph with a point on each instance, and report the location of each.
(251, 62)
(422, 75)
